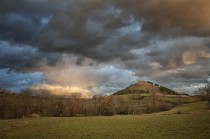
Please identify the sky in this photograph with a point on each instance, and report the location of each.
(102, 46)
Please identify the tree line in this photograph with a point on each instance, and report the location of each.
(26, 104)
(203, 93)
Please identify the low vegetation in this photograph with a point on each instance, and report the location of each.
(192, 122)
(46, 105)
(204, 93)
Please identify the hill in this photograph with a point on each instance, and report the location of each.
(184, 122)
(146, 87)
(6, 92)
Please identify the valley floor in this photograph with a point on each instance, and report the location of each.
(186, 121)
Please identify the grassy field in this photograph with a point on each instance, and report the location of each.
(177, 99)
(186, 121)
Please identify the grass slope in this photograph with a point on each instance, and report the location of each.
(144, 87)
(193, 122)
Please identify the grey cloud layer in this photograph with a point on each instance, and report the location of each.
(170, 38)
(91, 28)
(17, 81)
(24, 57)
(185, 17)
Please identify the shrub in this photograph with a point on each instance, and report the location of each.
(33, 115)
(178, 112)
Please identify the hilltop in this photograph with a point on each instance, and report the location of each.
(146, 87)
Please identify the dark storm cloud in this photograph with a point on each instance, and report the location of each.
(24, 57)
(184, 77)
(85, 28)
(22, 20)
(157, 39)
(181, 17)
(97, 29)
(90, 29)
(180, 51)
(183, 59)
(17, 81)
(80, 61)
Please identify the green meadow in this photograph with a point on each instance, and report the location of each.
(186, 121)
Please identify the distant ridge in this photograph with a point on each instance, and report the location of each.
(7, 92)
(146, 87)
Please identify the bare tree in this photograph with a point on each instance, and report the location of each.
(204, 92)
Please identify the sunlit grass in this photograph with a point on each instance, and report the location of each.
(193, 108)
(177, 99)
